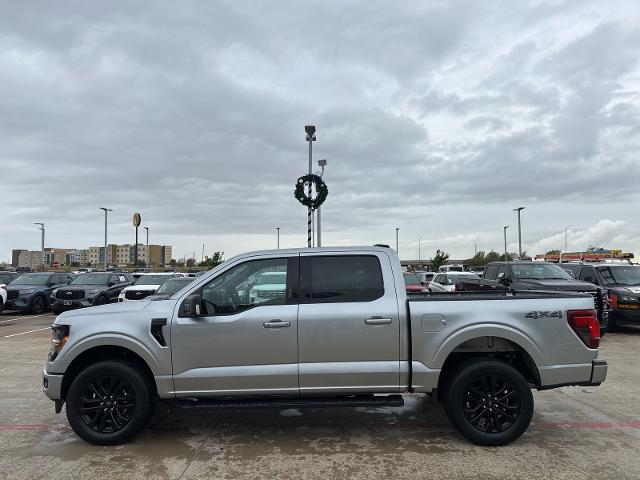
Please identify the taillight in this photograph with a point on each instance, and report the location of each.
(613, 300)
(585, 324)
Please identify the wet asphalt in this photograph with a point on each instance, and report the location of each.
(577, 432)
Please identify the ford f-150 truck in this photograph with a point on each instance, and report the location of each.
(344, 333)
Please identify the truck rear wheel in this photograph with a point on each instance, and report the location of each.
(489, 402)
(108, 403)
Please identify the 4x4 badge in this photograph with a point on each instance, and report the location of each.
(537, 314)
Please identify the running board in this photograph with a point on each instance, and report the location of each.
(293, 402)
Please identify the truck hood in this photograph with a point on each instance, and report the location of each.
(144, 288)
(103, 311)
(563, 285)
(624, 288)
(82, 287)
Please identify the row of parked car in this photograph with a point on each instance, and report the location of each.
(615, 287)
(35, 292)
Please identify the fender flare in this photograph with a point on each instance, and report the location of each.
(487, 330)
(114, 339)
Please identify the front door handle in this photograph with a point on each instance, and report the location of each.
(276, 324)
(377, 321)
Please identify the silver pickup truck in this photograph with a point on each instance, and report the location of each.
(339, 331)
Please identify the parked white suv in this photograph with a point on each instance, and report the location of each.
(146, 285)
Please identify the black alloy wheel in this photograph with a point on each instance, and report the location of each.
(109, 402)
(38, 304)
(101, 300)
(489, 402)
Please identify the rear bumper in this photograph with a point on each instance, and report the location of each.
(588, 374)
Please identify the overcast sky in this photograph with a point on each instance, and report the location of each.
(435, 117)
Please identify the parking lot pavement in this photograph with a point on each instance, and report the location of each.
(577, 432)
(14, 323)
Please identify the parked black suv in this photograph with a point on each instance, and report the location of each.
(622, 283)
(88, 289)
(547, 276)
(30, 291)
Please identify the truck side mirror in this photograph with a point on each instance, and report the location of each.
(191, 306)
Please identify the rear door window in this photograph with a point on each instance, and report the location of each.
(344, 278)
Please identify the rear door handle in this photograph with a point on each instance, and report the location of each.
(276, 324)
(377, 321)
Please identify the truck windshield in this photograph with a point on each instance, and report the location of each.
(29, 279)
(272, 278)
(152, 279)
(542, 271)
(622, 275)
(91, 279)
(174, 285)
(411, 279)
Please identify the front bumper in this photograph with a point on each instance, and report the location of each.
(59, 304)
(626, 316)
(52, 385)
(20, 303)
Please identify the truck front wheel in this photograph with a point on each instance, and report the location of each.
(108, 403)
(489, 402)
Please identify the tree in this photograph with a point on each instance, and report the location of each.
(439, 259)
(210, 262)
(553, 252)
(173, 262)
(74, 264)
(191, 262)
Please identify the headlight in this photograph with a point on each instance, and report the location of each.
(59, 336)
(628, 299)
(27, 291)
(53, 293)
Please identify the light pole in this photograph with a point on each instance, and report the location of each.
(105, 234)
(519, 209)
(149, 253)
(505, 243)
(419, 242)
(397, 251)
(321, 163)
(310, 130)
(566, 249)
(278, 237)
(42, 242)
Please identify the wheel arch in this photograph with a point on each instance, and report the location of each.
(105, 352)
(489, 347)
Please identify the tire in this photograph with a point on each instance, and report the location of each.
(471, 390)
(38, 305)
(123, 393)
(101, 300)
(1, 306)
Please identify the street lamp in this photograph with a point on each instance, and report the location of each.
(311, 137)
(419, 242)
(505, 243)
(42, 242)
(148, 252)
(397, 251)
(519, 209)
(321, 163)
(566, 250)
(278, 237)
(105, 234)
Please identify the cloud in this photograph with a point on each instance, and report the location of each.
(434, 115)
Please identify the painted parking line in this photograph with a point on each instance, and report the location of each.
(30, 331)
(23, 318)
